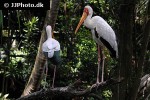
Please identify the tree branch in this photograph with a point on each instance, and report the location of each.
(69, 91)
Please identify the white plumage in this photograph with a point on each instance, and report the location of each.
(102, 33)
(50, 45)
(49, 48)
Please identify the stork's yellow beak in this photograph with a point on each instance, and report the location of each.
(84, 15)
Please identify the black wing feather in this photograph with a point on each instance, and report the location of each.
(109, 47)
(96, 34)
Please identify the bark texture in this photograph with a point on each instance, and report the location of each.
(37, 72)
(70, 91)
(129, 88)
(126, 20)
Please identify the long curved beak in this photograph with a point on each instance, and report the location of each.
(84, 15)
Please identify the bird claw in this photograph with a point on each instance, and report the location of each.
(95, 85)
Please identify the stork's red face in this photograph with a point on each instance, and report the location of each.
(84, 16)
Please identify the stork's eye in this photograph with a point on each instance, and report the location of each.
(86, 10)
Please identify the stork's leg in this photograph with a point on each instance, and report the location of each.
(54, 76)
(45, 72)
(99, 60)
(103, 61)
(46, 68)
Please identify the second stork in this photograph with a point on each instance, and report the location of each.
(102, 33)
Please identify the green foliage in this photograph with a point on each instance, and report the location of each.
(31, 38)
(16, 68)
(20, 50)
(79, 52)
(31, 25)
(4, 97)
(107, 94)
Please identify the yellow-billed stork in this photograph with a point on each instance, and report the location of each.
(50, 48)
(50, 45)
(102, 33)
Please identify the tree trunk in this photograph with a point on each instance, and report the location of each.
(143, 48)
(128, 89)
(1, 26)
(126, 18)
(37, 72)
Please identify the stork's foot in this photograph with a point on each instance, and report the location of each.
(95, 86)
(52, 87)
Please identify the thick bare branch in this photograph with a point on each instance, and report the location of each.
(69, 91)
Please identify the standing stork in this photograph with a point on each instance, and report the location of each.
(51, 50)
(103, 35)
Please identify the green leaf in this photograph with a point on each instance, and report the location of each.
(5, 96)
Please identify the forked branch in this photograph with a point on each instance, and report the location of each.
(69, 91)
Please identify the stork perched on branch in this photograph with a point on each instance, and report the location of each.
(103, 35)
(51, 50)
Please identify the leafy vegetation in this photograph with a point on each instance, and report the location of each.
(3, 97)
(21, 34)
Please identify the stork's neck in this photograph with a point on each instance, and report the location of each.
(89, 22)
(49, 34)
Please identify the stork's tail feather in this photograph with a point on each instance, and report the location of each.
(113, 52)
(56, 59)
